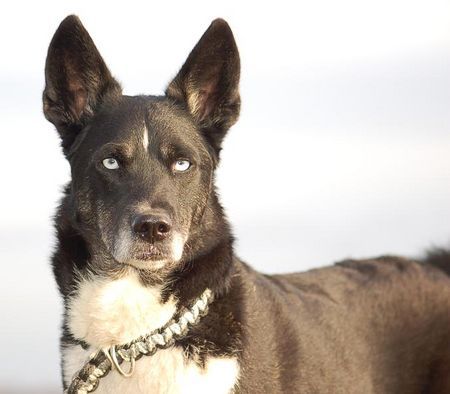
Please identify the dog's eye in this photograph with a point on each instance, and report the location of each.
(110, 163)
(181, 165)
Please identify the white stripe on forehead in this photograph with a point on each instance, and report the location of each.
(145, 138)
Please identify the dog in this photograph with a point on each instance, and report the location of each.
(142, 243)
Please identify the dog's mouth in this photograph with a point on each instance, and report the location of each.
(151, 252)
(146, 255)
(151, 258)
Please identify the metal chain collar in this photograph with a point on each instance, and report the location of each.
(87, 379)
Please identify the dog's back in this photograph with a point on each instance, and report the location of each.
(372, 326)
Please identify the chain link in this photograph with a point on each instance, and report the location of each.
(87, 379)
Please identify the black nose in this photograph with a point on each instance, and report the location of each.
(151, 227)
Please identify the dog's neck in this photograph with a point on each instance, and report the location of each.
(105, 311)
(211, 270)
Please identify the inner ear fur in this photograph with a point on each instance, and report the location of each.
(208, 82)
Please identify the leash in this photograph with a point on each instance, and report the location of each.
(87, 379)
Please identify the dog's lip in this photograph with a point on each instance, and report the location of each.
(151, 253)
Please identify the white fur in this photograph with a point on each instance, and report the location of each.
(177, 247)
(145, 138)
(106, 312)
(122, 246)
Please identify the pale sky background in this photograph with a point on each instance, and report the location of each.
(343, 147)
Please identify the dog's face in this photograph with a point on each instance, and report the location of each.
(142, 167)
(141, 176)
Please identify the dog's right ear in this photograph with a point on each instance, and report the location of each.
(77, 80)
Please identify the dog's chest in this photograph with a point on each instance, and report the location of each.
(106, 312)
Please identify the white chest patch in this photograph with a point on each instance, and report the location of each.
(106, 312)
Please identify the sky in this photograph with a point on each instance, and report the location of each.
(342, 149)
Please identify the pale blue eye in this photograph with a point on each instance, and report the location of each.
(110, 163)
(181, 165)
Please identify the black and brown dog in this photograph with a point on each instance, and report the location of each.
(141, 235)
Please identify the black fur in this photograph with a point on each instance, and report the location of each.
(373, 326)
(440, 258)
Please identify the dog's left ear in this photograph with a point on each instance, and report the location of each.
(208, 82)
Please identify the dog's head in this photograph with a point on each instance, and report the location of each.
(142, 166)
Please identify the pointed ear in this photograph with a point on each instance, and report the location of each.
(77, 80)
(208, 83)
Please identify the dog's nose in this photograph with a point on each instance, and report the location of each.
(151, 227)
